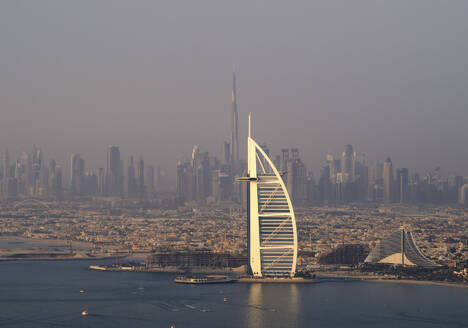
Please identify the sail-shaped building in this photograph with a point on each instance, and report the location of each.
(399, 248)
(272, 234)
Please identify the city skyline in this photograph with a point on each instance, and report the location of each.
(392, 91)
(230, 154)
(171, 174)
(207, 179)
(132, 175)
(315, 164)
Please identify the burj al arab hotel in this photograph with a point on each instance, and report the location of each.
(271, 225)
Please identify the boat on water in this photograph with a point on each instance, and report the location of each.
(112, 267)
(214, 279)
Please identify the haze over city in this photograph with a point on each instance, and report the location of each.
(254, 164)
(154, 78)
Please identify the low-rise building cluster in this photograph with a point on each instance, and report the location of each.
(440, 232)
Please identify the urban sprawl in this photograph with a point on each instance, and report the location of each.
(129, 207)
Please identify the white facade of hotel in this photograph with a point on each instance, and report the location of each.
(271, 222)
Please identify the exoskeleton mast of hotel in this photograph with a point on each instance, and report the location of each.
(272, 234)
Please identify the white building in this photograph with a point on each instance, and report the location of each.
(272, 234)
(463, 195)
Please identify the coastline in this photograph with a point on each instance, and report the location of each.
(56, 258)
(277, 280)
(18, 248)
(33, 249)
(347, 276)
(423, 282)
(176, 270)
(43, 242)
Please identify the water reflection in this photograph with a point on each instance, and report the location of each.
(272, 305)
(255, 302)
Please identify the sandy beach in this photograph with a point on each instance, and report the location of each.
(355, 276)
(20, 248)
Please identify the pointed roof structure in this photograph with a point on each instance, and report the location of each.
(272, 234)
(399, 248)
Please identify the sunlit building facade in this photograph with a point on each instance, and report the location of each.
(272, 234)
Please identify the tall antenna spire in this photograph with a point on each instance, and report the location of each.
(234, 100)
(250, 124)
(235, 127)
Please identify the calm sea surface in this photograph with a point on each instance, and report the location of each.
(47, 294)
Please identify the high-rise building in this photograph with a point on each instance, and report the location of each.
(235, 128)
(325, 193)
(114, 176)
(463, 195)
(52, 177)
(6, 165)
(150, 178)
(222, 186)
(361, 176)
(272, 235)
(9, 188)
(101, 177)
(347, 162)
(402, 185)
(43, 189)
(284, 160)
(201, 175)
(388, 181)
(77, 173)
(332, 165)
(131, 181)
(185, 181)
(296, 177)
(36, 157)
(226, 153)
(141, 178)
(372, 183)
(26, 163)
(91, 183)
(58, 181)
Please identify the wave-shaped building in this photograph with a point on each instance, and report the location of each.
(272, 234)
(399, 248)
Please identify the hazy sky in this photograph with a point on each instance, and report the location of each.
(154, 77)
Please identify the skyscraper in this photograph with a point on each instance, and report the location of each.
(77, 169)
(388, 181)
(101, 182)
(44, 187)
(226, 153)
(235, 127)
(463, 195)
(272, 235)
(27, 167)
(141, 177)
(113, 171)
(58, 181)
(150, 179)
(185, 181)
(131, 181)
(347, 163)
(6, 165)
(402, 183)
(296, 176)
